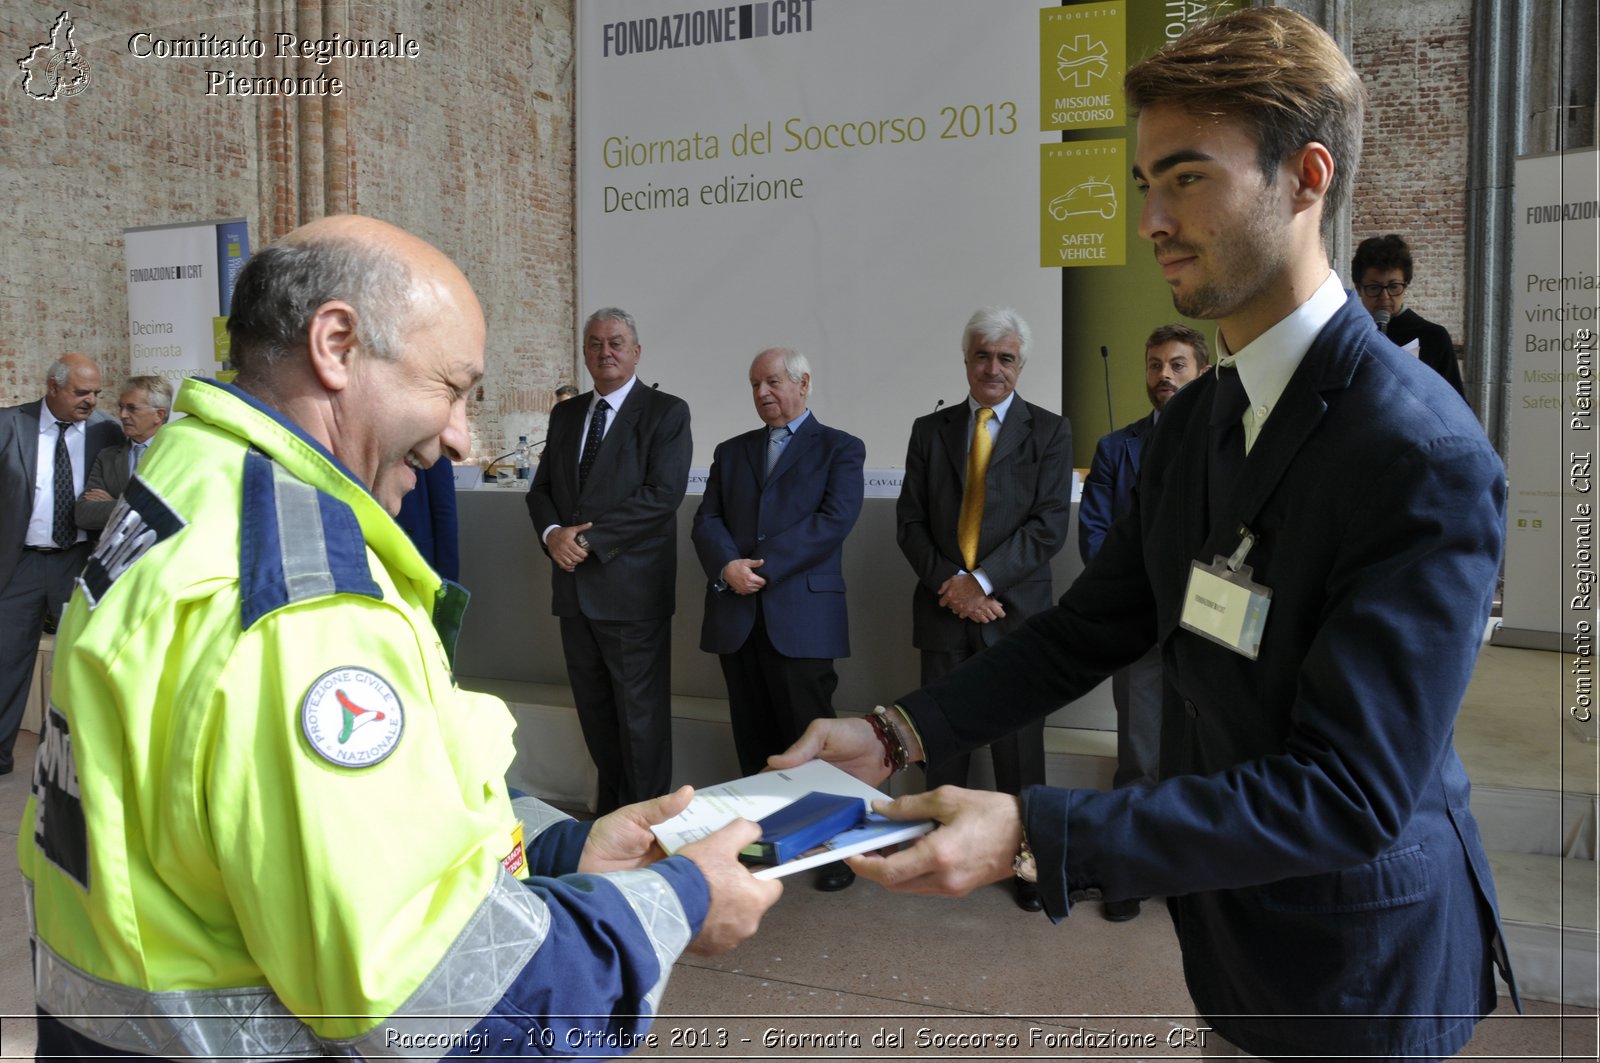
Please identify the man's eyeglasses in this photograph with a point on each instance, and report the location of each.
(1394, 288)
(131, 407)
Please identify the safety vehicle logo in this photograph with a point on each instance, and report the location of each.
(352, 717)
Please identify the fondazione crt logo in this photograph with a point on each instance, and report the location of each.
(703, 26)
(55, 69)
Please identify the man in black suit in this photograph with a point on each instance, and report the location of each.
(46, 449)
(605, 506)
(143, 407)
(979, 518)
(1314, 546)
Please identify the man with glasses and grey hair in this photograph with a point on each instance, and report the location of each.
(143, 407)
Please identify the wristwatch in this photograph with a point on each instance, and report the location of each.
(582, 540)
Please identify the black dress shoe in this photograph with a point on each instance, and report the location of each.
(835, 877)
(1122, 911)
(1028, 895)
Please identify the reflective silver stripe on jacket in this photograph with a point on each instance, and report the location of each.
(306, 572)
(211, 1024)
(252, 1023)
(661, 914)
(537, 817)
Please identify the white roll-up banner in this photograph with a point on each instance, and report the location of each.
(180, 285)
(1550, 566)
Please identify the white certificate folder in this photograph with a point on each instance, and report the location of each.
(758, 796)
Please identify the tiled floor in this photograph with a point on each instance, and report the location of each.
(826, 967)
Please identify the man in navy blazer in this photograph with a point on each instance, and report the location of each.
(604, 503)
(1311, 827)
(770, 532)
(37, 568)
(1173, 356)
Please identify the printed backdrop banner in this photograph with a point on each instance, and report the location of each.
(1550, 568)
(180, 282)
(851, 179)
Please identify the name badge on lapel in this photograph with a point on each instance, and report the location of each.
(1222, 603)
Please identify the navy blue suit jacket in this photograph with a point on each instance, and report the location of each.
(1311, 826)
(428, 516)
(1113, 474)
(796, 520)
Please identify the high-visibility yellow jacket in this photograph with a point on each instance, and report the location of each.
(266, 822)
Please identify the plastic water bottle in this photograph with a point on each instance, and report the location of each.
(524, 459)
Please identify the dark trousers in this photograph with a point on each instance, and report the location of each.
(1136, 692)
(1018, 757)
(621, 676)
(40, 585)
(772, 698)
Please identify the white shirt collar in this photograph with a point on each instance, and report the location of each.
(1266, 363)
(1000, 409)
(617, 397)
(47, 423)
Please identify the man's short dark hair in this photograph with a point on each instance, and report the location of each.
(1276, 71)
(280, 288)
(1381, 253)
(1178, 333)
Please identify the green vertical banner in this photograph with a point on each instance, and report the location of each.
(1083, 53)
(1112, 292)
(1084, 186)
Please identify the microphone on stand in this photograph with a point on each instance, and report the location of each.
(1105, 359)
(1381, 319)
(512, 453)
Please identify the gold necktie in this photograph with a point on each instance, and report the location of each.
(971, 522)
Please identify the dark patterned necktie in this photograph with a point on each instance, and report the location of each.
(64, 530)
(1228, 403)
(591, 445)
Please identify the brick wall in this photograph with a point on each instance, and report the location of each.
(469, 145)
(1414, 59)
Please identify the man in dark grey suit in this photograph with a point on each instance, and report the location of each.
(982, 557)
(46, 448)
(605, 505)
(143, 407)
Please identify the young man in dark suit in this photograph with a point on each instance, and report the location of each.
(1314, 546)
(46, 450)
(604, 503)
(979, 518)
(770, 534)
(1173, 356)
